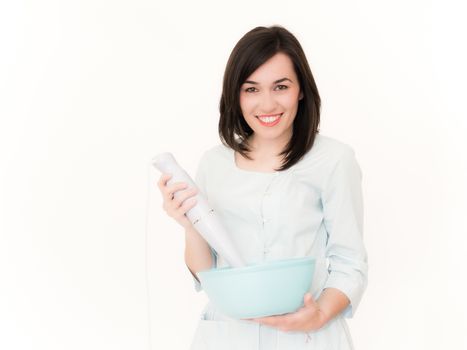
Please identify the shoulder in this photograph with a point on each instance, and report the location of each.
(328, 150)
(327, 158)
(332, 146)
(215, 154)
(341, 160)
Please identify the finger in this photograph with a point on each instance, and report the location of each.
(283, 323)
(170, 190)
(190, 205)
(265, 322)
(183, 197)
(162, 183)
(174, 206)
(179, 215)
(187, 205)
(176, 186)
(170, 203)
(270, 320)
(163, 180)
(308, 300)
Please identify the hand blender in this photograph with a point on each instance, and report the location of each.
(202, 215)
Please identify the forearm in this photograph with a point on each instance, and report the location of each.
(332, 302)
(197, 252)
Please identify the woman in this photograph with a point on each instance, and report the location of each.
(282, 190)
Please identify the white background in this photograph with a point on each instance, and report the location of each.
(90, 91)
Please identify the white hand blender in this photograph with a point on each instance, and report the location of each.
(202, 215)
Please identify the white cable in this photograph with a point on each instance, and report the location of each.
(146, 257)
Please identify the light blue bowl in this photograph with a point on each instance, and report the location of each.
(265, 289)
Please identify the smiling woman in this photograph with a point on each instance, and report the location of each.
(267, 75)
(267, 103)
(282, 191)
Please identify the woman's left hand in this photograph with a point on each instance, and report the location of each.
(308, 318)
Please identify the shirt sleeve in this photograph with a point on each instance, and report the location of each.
(200, 180)
(343, 218)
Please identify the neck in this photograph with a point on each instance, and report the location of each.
(266, 147)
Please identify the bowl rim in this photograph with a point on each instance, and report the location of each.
(265, 265)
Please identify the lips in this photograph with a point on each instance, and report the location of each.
(269, 119)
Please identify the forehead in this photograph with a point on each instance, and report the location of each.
(278, 66)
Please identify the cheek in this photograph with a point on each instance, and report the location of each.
(246, 104)
(290, 101)
(290, 104)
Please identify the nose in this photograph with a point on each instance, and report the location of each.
(267, 103)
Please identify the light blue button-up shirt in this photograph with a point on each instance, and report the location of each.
(314, 208)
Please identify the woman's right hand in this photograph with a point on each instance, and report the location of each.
(177, 207)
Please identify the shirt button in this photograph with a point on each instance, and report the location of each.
(265, 220)
(267, 193)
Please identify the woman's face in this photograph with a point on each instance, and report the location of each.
(269, 99)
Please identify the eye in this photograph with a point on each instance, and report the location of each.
(248, 89)
(282, 87)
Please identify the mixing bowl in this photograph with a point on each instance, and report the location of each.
(258, 290)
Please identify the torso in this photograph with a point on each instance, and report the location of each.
(273, 217)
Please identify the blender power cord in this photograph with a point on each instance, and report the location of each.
(146, 256)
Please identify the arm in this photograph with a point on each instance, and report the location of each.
(332, 302)
(199, 255)
(343, 218)
(197, 252)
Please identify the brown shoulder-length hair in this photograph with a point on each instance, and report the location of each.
(251, 51)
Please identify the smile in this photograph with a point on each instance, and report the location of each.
(269, 120)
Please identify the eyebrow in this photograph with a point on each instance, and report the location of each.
(276, 82)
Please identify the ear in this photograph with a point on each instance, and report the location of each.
(301, 95)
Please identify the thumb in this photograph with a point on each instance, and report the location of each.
(308, 299)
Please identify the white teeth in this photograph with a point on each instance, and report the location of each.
(269, 119)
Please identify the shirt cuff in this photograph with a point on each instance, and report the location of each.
(351, 287)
